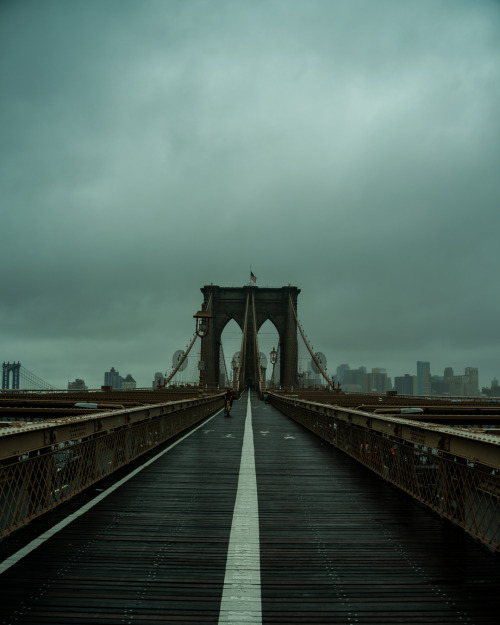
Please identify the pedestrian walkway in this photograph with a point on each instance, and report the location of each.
(248, 519)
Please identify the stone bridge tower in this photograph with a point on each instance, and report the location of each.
(270, 303)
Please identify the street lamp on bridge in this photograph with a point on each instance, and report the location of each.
(234, 368)
(274, 359)
(202, 322)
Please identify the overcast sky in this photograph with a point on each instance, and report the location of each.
(348, 147)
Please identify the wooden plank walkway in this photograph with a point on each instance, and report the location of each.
(336, 543)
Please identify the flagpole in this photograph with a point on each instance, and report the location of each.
(253, 279)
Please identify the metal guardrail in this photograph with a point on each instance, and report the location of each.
(44, 464)
(453, 471)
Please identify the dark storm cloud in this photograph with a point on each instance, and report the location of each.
(149, 148)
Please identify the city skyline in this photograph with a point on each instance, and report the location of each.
(114, 379)
(424, 383)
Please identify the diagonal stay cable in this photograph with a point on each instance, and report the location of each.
(193, 340)
(313, 355)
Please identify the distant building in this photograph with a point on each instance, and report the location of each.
(376, 381)
(306, 379)
(354, 380)
(473, 373)
(159, 380)
(424, 378)
(473, 384)
(466, 385)
(129, 382)
(406, 384)
(494, 391)
(440, 385)
(113, 378)
(77, 385)
(341, 369)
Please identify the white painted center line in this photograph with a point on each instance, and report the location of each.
(241, 597)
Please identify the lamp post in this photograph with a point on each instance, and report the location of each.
(233, 368)
(202, 322)
(274, 360)
(202, 328)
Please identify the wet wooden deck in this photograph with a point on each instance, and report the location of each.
(336, 543)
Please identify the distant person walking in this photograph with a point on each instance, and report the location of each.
(228, 401)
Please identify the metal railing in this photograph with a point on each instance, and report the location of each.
(453, 471)
(45, 464)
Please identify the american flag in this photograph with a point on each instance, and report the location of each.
(253, 278)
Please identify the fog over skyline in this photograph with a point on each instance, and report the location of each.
(349, 148)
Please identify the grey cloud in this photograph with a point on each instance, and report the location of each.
(149, 148)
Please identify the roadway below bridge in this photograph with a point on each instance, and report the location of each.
(246, 519)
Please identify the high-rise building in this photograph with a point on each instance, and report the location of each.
(424, 378)
(354, 380)
(472, 385)
(341, 369)
(113, 378)
(406, 385)
(376, 381)
(466, 385)
(448, 373)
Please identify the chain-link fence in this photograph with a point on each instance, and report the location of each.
(39, 477)
(462, 487)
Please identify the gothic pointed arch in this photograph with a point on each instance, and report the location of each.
(275, 304)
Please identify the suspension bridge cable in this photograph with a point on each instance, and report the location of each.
(179, 364)
(243, 351)
(185, 355)
(33, 381)
(313, 355)
(223, 360)
(256, 348)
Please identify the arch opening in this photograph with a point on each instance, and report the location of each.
(268, 338)
(232, 303)
(231, 345)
